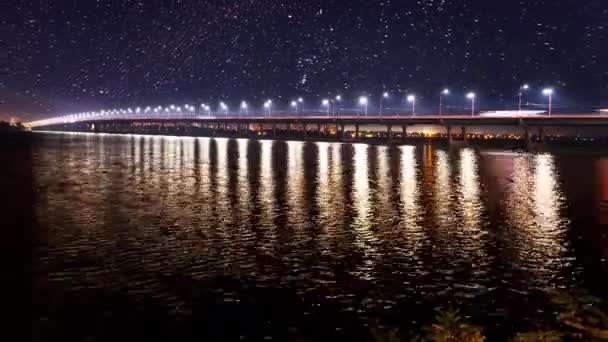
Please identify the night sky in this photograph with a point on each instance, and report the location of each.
(77, 55)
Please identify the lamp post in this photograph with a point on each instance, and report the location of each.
(412, 99)
(294, 104)
(521, 93)
(363, 101)
(268, 107)
(326, 105)
(192, 111)
(549, 92)
(384, 96)
(443, 93)
(471, 96)
(336, 109)
(224, 108)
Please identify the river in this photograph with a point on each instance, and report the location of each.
(253, 239)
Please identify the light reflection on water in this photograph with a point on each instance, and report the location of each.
(122, 212)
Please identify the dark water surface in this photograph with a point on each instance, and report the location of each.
(249, 239)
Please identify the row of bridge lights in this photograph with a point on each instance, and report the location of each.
(296, 104)
(411, 98)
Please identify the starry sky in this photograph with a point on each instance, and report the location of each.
(78, 55)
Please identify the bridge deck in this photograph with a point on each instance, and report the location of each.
(536, 120)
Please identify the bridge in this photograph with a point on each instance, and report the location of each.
(309, 126)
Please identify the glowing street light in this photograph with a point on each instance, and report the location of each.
(363, 101)
(268, 107)
(549, 92)
(224, 108)
(384, 96)
(412, 99)
(244, 108)
(191, 109)
(294, 104)
(471, 96)
(326, 105)
(521, 93)
(337, 99)
(444, 92)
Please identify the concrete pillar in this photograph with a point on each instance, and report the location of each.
(463, 132)
(526, 134)
(341, 131)
(356, 131)
(288, 127)
(274, 130)
(449, 131)
(389, 131)
(305, 130)
(404, 131)
(248, 127)
(319, 129)
(541, 134)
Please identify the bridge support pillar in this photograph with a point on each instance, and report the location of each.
(356, 131)
(541, 134)
(404, 132)
(274, 130)
(305, 130)
(341, 131)
(463, 132)
(288, 127)
(449, 132)
(319, 129)
(389, 131)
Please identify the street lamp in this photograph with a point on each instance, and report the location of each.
(443, 93)
(412, 100)
(326, 105)
(384, 96)
(521, 93)
(363, 101)
(268, 106)
(294, 104)
(244, 108)
(336, 109)
(471, 96)
(549, 92)
(224, 107)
